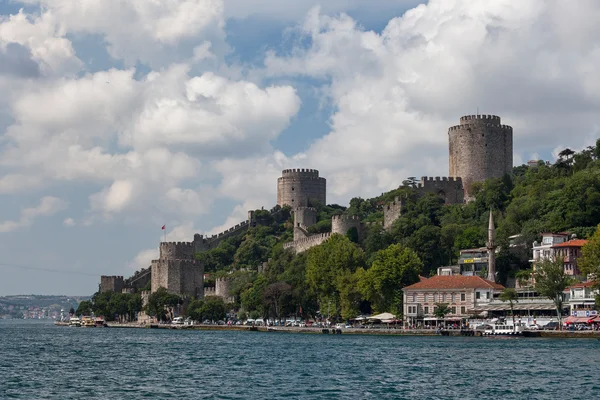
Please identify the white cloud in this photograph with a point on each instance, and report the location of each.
(69, 222)
(48, 206)
(395, 93)
(44, 39)
(140, 29)
(144, 258)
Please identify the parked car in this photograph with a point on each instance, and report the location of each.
(551, 326)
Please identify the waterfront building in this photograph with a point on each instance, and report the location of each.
(544, 250)
(581, 299)
(462, 294)
(570, 251)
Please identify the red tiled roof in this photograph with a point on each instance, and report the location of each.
(582, 285)
(454, 282)
(571, 243)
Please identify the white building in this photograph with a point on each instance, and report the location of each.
(544, 251)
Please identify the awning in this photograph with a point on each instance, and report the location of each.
(577, 320)
(383, 316)
(430, 319)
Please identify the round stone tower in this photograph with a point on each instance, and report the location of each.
(343, 223)
(480, 148)
(301, 188)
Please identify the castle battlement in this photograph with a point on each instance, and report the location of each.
(176, 250)
(304, 244)
(428, 180)
(186, 260)
(304, 172)
(493, 119)
(473, 126)
(342, 217)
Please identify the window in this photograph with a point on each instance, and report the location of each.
(463, 310)
(425, 298)
(462, 297)
(435, 297)
(477, 295)
(444, 298)
(453, 297)
(487, 295)
(414, 297)
(292, 188)
(453, 310)
(426, 310)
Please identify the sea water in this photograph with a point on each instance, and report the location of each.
(41, 361)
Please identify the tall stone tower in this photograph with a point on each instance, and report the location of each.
(480, 148)
(491, 247)
(301, 188)
(177, 271)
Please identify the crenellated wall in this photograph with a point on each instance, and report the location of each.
(177, 271)
(202, 243)
(177, 250)
(301, 188)
(449, 189)
(306, 243)
(343, 223)
(111, 284)
(480, 148)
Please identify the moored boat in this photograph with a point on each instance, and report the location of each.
(75, 322)
(501, 328)
(87, 322)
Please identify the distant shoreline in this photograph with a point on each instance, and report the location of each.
(346, 331)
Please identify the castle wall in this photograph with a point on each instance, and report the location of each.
(202, 243)
(391, 212)
(451, 190)
(305, 216)
(139, 279)
(480, 148)
(304, 244)
(301, 188)
(222, 289)
(111, 284)
(182, 277)
(343, 223)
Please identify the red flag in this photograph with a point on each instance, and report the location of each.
(163, 228)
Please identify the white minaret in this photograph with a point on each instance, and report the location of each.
(491, 247)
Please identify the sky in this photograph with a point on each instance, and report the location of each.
(118, 117)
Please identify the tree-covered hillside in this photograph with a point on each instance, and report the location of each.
(343, 278)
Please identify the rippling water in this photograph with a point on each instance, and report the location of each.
(41, 361)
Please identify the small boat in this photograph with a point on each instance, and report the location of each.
(100, 322)
(75, 322)
(501, 328)
(87, 322)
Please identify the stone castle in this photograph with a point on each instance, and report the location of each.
(479, 148)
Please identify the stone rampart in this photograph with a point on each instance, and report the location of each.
(449, 189)
(391, 212)
(301, 188)
(139, 279)
(111, 284)
(179, 276)
(304, 244)
(305, 216)
(343, 223)
(202, 243)
(176, 250)
(480, 148)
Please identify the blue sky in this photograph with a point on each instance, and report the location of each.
(117, 119)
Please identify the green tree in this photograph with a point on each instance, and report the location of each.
(590, 262)
(160, 302)
(510, 295)
(213, 308)
(275, 294)
(551, 281)
(392, 269)
(84, 308)
(441, 310)
(325, 262)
